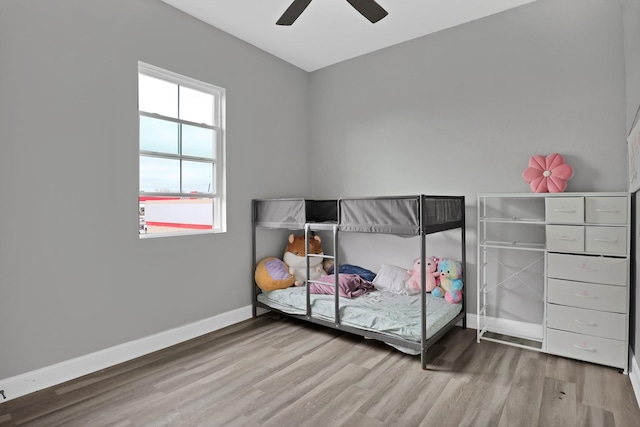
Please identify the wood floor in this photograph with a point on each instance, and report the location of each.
(280, 372)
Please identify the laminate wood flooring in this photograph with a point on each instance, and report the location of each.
(273, 371)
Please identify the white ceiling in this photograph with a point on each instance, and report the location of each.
(331, 31)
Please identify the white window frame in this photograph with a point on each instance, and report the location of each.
(218, 194)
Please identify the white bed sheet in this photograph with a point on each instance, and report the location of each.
(379, 311)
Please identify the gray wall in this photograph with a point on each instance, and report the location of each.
(74, 276)
(457, 112)
(631, 25)
(462, 111)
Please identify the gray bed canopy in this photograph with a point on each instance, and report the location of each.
(404, 215)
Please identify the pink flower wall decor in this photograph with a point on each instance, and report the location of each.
(548, 174)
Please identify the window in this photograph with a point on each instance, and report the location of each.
(182, 175)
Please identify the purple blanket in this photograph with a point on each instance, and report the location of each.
(349, 285)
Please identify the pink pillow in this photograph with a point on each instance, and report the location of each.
(548, 174)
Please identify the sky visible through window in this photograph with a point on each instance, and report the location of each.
(163, 136)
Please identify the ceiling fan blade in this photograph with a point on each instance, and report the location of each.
(369, 9)
(293, 11)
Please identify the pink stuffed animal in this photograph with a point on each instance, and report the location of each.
(432, 274)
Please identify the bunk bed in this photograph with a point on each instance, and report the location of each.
(410, 323)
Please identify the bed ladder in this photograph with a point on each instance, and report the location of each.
(308, 229)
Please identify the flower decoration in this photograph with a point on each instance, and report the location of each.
(548, 174)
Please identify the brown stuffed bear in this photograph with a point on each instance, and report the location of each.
(294, 257)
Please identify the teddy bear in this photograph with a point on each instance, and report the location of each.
(450, 281)
(432, 276)
(294, 258)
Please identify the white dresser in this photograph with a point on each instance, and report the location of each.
(566, 290)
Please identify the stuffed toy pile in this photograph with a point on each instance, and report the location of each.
(274, 273)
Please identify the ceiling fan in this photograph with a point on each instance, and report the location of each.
(367, 8)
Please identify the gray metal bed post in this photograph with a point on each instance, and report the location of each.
(254, 292)
(423, 280)
(336, 259)
(464, 262)
(308, 270)
(336, 274)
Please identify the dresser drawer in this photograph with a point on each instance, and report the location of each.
(564, 210)
(606, 210)
(587, 295)
(591, 269)
(606, 240)
(565, 238)
(591, 349)
(587, 322)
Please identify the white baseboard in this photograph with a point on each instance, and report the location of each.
(49, 376)
(531, 331)
(634, 375)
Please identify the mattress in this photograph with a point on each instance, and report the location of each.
(379, 311)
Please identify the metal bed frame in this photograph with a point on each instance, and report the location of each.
(426, 215)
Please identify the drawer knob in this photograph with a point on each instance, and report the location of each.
(571, 239)
(582, 322)
(608, 210)
(585, 296)
(584, 347)
(564, 210)
(606, 240)
(584, 268)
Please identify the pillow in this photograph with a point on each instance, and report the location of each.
(393, 279)
(272, 273)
